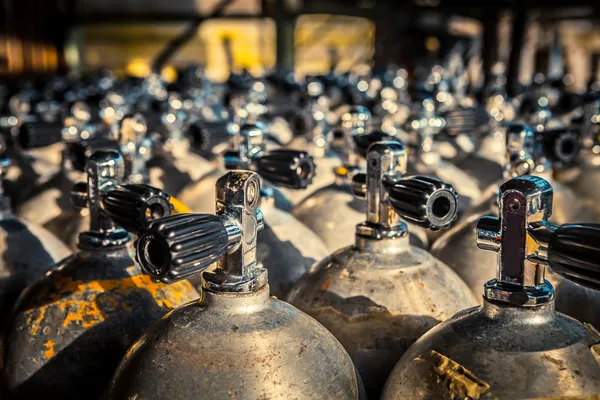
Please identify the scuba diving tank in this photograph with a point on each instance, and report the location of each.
(525, 157)
(333, 211)
(28, 250)
(59, 216)
(425, 159)
(381, 294)
(516, 345)
(35, 148)
(584, 176)
(250, 148)
(288, 248)
(225, 344)
(71, 327)
(174, 166)
(315, 141)
(50, 205)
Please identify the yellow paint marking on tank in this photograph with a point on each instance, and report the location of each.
(35, 324)
(85, 312)
(78, 298)
(459, 381)
(49, 352)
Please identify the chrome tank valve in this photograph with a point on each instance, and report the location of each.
(181, 245)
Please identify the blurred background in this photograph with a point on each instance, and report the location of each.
(40, 37)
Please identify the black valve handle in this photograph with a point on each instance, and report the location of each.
(175, 247)
(574, 253)
(36, 134)
(134, 207)
(561, 145)
(289, 168)
(424, 201)
(362, 142)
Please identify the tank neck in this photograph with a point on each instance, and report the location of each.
(237, 303)
(103, 240)
(537, 314)
(110, 252)
(387, 245)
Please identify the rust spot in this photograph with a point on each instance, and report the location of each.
(49, 352)
(459, 381)
(326, 284)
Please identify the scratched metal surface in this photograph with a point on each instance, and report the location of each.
(73, 326)
(239, 346)
(377, 302)
(500, 352)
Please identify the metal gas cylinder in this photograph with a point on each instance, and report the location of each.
(247, 149)
(584, 177)
(380, 295)
(456, 247)
(426, 159)
(315, 141)
(72, 326)
(59, 216)
(36, 149)
(50, 206)
(174, 166)
(288, 248)
(516, 345)
(27, 250)
(333, 211)
(224, 344)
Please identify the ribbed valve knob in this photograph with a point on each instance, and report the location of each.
(289, 168)
(574, 253)
(134, 207)
(36, 134)
(181, 245)
(424, 201)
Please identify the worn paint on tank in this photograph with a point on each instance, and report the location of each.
(73, 325)
(379, 302)
(459, 382)
(195, 352)
(78, 298)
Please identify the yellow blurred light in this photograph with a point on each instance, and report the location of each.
(138, 67)
(169, 74)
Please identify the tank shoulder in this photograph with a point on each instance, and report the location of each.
(545, 356)
(355, 282)
(72, 326)
(281, 345)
